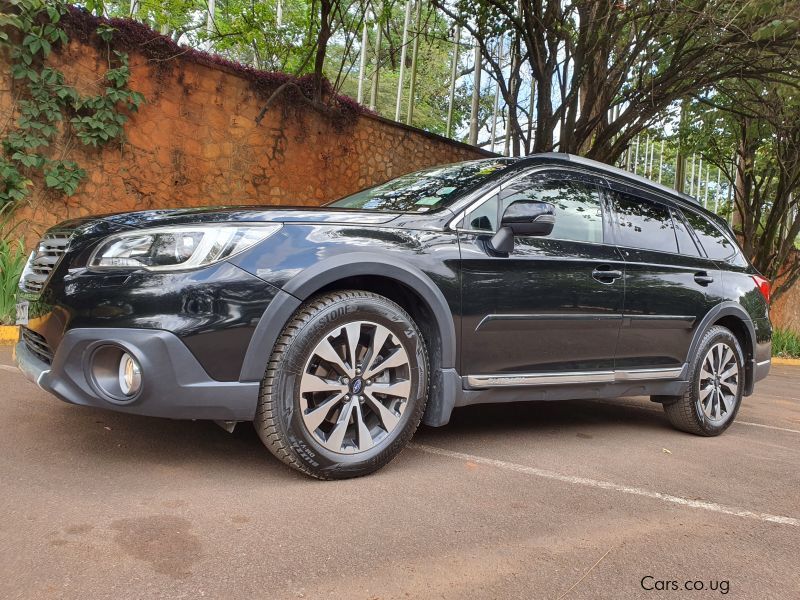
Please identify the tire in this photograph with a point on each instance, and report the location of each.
(313, 413)
(710, 405)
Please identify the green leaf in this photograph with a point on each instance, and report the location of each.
(19, 71)
(53, 14)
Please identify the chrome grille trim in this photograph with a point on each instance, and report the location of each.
(43, 261)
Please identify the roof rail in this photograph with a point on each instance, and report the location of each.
(580, 160)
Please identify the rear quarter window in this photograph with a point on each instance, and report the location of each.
(716, 244)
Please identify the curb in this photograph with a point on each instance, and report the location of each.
(9, 334)
(779, 360)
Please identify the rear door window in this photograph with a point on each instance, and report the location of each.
(643, 224)
(686, 244)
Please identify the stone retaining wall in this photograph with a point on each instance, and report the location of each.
(195, 142)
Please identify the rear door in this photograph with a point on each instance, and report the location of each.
(670, 284)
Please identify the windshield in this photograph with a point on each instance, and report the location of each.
(424, 190)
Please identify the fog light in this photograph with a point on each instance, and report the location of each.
(130, 375)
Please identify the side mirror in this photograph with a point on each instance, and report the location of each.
(523, 217)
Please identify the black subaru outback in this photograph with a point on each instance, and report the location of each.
(336, 330)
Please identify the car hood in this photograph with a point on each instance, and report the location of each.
(106, 224)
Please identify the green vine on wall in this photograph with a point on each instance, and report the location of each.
(48, 108)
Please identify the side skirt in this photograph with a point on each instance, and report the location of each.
(485, 389)
(571, 378)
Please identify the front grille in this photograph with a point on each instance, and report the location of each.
(37, 344)
(44, 260)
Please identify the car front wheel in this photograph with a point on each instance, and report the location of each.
(345, 387)
(716, 384)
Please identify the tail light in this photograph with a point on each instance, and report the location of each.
(763, 285)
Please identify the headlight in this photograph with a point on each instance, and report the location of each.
(180, 247)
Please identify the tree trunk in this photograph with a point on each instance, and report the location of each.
(322, 47)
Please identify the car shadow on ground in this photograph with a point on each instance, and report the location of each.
(564, 415)
(107, 440)
(87, 435)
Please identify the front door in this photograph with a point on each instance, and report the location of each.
(552, 305)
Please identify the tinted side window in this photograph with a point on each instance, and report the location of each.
(686, 244)
(484, 217)
(643, 224)
(715, 243)
(579, 215)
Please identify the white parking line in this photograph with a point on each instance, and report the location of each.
(658, 410)
(607, 485)
(766, 426)
(9, 368)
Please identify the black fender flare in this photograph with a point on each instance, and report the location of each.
(721, 310)
(308, 281)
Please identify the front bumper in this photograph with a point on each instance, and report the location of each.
(175, 385)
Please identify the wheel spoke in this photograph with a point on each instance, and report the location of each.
(353, 333)
(727, 355)
(401, 389)
(365, 441)
(733, 386)
(336, 438)
(725, 402)
(312, 383)
(316, 416)
(396, 359)
(704, 392)
(326, 352)
(734, 370)
(387, 416)
(379, 338)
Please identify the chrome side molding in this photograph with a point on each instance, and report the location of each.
(648, 374)
(572, 377)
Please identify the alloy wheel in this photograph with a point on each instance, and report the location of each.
(719, 383)
(355, 387)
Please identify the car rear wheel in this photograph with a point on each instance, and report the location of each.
(345, 387)
(716, 383)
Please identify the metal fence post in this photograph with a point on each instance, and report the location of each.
(453, 74)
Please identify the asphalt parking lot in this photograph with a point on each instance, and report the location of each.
(580, 499)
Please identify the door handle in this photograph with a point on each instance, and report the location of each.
(703, 278)
(606, 274)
